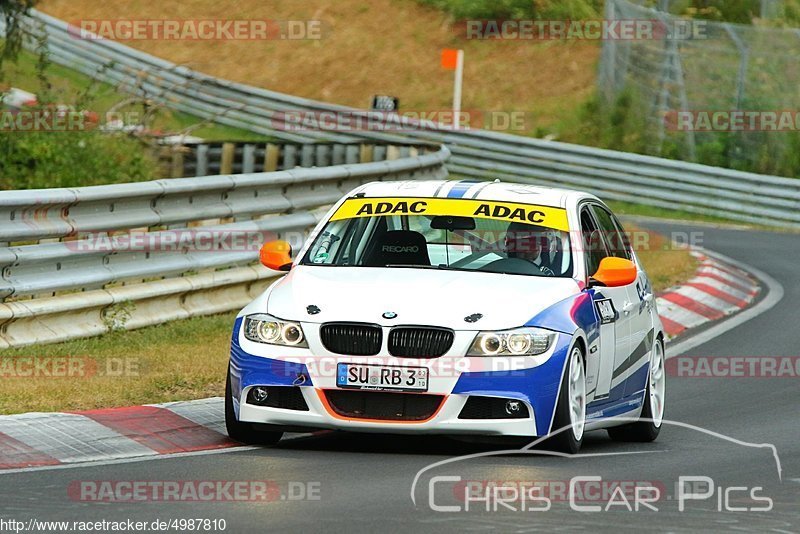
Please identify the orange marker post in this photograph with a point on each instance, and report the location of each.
(454, 60)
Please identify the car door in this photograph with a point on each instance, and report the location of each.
(642, 332)
(610, 303)
(634, 310)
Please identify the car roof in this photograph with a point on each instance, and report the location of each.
(475, 189)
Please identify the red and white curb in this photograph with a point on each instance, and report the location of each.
(49, 439)
(45, 440)
(718, 289)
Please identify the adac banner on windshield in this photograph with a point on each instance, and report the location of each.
(547, 216)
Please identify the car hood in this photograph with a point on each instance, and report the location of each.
(417, 296)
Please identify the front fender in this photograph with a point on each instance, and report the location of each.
(571, 315)
(538, 386)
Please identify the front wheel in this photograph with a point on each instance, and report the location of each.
(244, 432)
(570, 418)
(649, 425)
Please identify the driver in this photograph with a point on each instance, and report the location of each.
(532, 243)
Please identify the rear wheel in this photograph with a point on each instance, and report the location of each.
(649, 425)
(571, 406)
(244, 432)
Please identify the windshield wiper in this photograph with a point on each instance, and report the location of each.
(390, 265)
(312, 264)
(422, 266)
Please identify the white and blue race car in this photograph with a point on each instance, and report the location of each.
(453, 307)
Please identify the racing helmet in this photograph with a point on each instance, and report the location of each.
(525, 241)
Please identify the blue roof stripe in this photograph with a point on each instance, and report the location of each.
(461, 188)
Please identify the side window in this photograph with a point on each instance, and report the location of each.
(626, 242)
(593, 247)
(614, 237)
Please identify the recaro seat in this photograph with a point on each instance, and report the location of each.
(398, 247)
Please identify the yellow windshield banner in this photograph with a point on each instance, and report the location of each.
(546, 216)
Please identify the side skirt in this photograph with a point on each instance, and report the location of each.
(627, 407)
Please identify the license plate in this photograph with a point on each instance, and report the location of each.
(381, 377)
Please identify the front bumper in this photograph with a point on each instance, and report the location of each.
(455, 378)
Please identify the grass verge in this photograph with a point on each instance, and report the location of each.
(367, 48)
(179, 360)
(631, 209)
(665, 264)
(69, 85)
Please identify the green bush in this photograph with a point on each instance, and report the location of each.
(31, 160)
(569, 9)
(53, 145)
(480, 9)
(617, 125)
(620, 125)
(786, 12)
(518, 9)
(714, 151)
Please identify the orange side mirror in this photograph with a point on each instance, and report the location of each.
(615, 272)
(276, 255)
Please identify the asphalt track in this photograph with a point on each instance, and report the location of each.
(364, 482)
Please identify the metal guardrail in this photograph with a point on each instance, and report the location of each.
(81, 261)
(748, 197)
(237, 157)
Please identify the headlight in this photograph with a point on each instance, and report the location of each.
(263, 328)
(517, 342)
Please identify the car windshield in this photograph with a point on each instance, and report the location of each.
(443, 241)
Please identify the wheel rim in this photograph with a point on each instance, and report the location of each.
(657, 384)
(577, 393)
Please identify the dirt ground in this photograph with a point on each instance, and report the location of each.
(366, 48)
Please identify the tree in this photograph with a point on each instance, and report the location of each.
(12, 12)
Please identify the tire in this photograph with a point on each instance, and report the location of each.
(648, 428)
(569, 414)
(244, 432)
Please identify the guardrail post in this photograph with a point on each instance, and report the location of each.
(366, 154)
(339, 155)
(307, 156)
(226, 164)
(271, 155)
(176, 166)
(323, 156)
(248, 158)
(164, 160)
(201, 169)
(352, 154)
(289, 156)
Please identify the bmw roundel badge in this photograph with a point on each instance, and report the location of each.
(389, 315)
